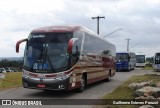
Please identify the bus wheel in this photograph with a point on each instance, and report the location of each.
(129, 68)
(108, 78)
(82, 84)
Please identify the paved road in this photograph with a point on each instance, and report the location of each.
(93, 91)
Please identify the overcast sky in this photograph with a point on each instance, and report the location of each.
(139, 19)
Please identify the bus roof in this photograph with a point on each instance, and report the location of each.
(140, 55)
(62, 28)
(124, 52)
(66, 28)
(157, 53)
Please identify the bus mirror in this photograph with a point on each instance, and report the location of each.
(70, 44)
(18, 43)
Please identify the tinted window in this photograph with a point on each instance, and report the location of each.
(95, 45)
(77, 47)
(122, 57)
(47, 51)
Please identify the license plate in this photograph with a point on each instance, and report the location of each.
(41, 86)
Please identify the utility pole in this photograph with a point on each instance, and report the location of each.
(98, 17)
(128, 44)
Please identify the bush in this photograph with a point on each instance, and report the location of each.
(148, 64)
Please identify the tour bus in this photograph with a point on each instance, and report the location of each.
(66, 58)
(125, 61)
(156, 65)
(140, 60)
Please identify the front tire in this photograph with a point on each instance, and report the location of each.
(82, 84)
(109, 78)
(129, 68)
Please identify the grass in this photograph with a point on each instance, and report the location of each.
(11, 80)
(124, 92)
(148, 68)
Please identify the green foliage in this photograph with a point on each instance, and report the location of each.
(148, 68)
(6, 63)
(148, 64)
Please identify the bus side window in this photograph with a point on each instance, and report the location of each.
(76, 48)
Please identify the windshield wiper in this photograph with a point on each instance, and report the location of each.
(50, 63)
(49, 60)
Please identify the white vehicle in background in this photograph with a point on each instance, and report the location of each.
(156, 65)
(140, 60)
(2, 70)
(8, 70)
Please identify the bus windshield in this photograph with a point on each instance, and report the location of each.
(157, 58)
(47, 52)
(140, 58)
(120, 57)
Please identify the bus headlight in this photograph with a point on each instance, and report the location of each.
(62, 76)
(126, 64)
(25, 73)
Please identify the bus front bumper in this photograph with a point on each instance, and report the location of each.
(121, 67)
(157, 66)
(46, 84)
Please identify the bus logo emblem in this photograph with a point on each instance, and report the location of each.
(41, 77)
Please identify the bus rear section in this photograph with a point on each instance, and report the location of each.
(125, 61)
(65, 58)
(156, 65)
